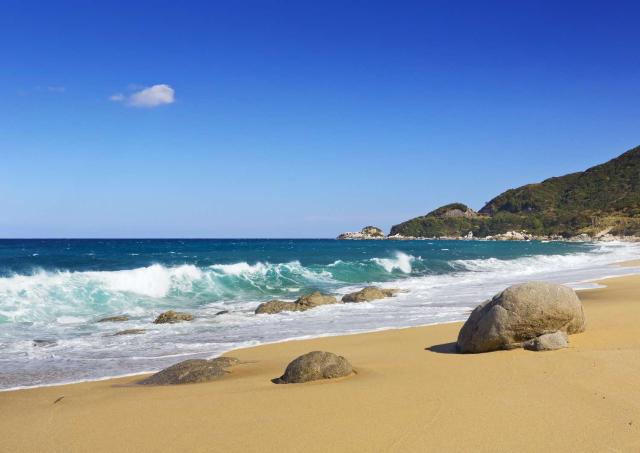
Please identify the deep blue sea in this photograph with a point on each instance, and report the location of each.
(54, 291)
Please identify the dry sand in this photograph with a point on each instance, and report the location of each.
(411, 393)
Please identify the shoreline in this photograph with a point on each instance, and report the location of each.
(580, 398)
(595, 282)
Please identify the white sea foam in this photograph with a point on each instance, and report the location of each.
(241, 268)
(152, 281)
(401, 262)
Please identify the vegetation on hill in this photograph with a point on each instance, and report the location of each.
(602, 197)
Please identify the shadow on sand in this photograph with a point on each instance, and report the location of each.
(444, 348)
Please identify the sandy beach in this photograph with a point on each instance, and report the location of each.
(411, 393)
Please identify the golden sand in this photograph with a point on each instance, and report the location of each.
(411, 393)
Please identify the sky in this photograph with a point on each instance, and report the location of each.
(299, 118)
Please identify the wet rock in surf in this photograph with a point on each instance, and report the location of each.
(303, 303)
(547, 342)
(192, 371)
(170, 317)
(521, 313)
(314, 366)
(119, 318)
(44, 343)
(315, 299)
(222, 312)
(129, 332)
(368, 294)
(276, 306)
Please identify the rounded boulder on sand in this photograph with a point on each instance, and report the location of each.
(521, 313)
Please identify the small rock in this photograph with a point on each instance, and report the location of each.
(314, 366)
(303, 303)
(368, 294)
(129, 332)
(44, 343)
(276, 306)
(119, 318)
(191, 371)
(222, 312)
(315, 299)
(547, 342)
(171, 317)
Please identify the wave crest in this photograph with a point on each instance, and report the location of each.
(401, 262)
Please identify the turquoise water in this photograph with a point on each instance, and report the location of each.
(55, 290)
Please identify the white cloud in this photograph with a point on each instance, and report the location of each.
(148, 97)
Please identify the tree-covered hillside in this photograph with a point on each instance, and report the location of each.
(604, 196)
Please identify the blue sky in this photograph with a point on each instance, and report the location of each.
(299, 119)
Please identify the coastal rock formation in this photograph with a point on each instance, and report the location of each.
(119, 318)
(547, 342)
(511, 236)
(314, 366)
(521, 313)
(303, 303)
(170, 317)
(368, 232)
(191, 371)
(372, 231)
(368, 294)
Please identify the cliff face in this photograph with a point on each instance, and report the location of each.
(604, 196)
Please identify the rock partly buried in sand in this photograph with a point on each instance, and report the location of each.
(276, 306)
(547, 342)
(521, 313)
(129, 332)
(172, 317)
(120, 318)
(314, 366)
(368, 294)
(305, 302)
(191, 371)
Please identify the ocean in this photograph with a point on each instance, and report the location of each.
(52, 292)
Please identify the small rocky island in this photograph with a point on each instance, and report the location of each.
(368, 232)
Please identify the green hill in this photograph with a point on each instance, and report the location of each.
(604, 196)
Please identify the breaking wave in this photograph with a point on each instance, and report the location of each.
(59, 308)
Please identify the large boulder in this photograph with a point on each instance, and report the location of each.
(368, 294)
(314, 366)
(303, 303)
(191, 371)
(170, 317)
(520, 313)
